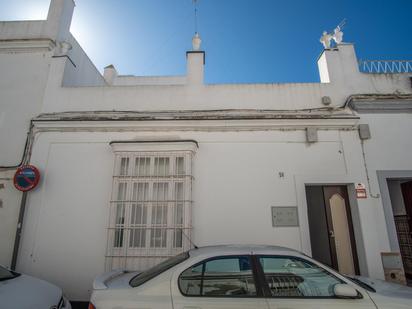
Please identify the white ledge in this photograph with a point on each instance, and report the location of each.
(154, 145)
(26, 46)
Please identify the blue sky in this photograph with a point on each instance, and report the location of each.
(246, 41)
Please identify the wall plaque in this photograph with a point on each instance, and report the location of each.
(284, 216)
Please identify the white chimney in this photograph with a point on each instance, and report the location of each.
(59, 19)
(110, 74)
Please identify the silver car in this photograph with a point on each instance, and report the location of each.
(258, 277)
(19, 291)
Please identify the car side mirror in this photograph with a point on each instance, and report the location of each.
(342, 290)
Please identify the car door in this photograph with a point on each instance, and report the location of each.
(221, 282)
(293, 282)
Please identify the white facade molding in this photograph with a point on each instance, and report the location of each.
(27, 46)
(196, 125)
(222, 120)
(399, 105)
(154, 145)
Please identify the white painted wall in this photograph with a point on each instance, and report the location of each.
(236, 182)
(9, 211)
(22, 90)
(23, 79)
(198, 96)
(388, 150)
(26, 48)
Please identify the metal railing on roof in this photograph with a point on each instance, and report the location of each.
(385, 66)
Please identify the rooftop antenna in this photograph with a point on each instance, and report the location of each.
(196, 41)
(342, 23)
(195, 13)
(338, 33)
(188, 238)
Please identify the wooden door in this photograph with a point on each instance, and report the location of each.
(331, 230)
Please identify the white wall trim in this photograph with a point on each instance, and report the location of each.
(26, 46)
(197, 125)
(154, 145)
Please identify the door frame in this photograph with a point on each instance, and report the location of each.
(383, 177)
(345, 180)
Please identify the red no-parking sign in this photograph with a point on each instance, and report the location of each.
(26, 178)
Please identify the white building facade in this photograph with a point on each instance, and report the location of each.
(137, 169)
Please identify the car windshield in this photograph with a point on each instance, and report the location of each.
(6, 274)
(158, 269)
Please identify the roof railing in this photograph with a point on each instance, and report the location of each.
(385, 66)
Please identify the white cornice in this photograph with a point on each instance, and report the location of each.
(196, 125)
(26, 46)
(154, 145)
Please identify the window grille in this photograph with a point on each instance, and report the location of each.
(150, 209)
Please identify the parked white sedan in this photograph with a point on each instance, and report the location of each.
(19, 291)
(243, 277)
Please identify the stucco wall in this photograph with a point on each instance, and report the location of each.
(23, 79)
(22, 84)
(236, 182)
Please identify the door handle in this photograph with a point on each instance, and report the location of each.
(331, 234)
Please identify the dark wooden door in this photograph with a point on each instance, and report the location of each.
(318, 226)
(331, 230)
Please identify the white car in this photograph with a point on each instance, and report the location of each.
(258, 277)
(19, 291)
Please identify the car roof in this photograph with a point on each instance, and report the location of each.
(242, 249)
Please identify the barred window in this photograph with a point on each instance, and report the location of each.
(150, 210)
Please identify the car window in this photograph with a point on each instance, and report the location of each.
(6, 274)
(158, 269)
(222, 276)
(295, 277)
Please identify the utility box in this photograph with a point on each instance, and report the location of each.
(311, 135)
(364, 131)
(393, 267)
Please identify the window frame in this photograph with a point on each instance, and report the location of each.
(267, 291)
(170, 239)
(256, 277)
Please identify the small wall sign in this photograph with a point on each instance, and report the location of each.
(26, 178)
(285, 216)
(360, 190)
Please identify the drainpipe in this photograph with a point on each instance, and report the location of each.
(25, 159)
(18, 231)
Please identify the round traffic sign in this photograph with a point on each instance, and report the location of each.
(26, 178)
